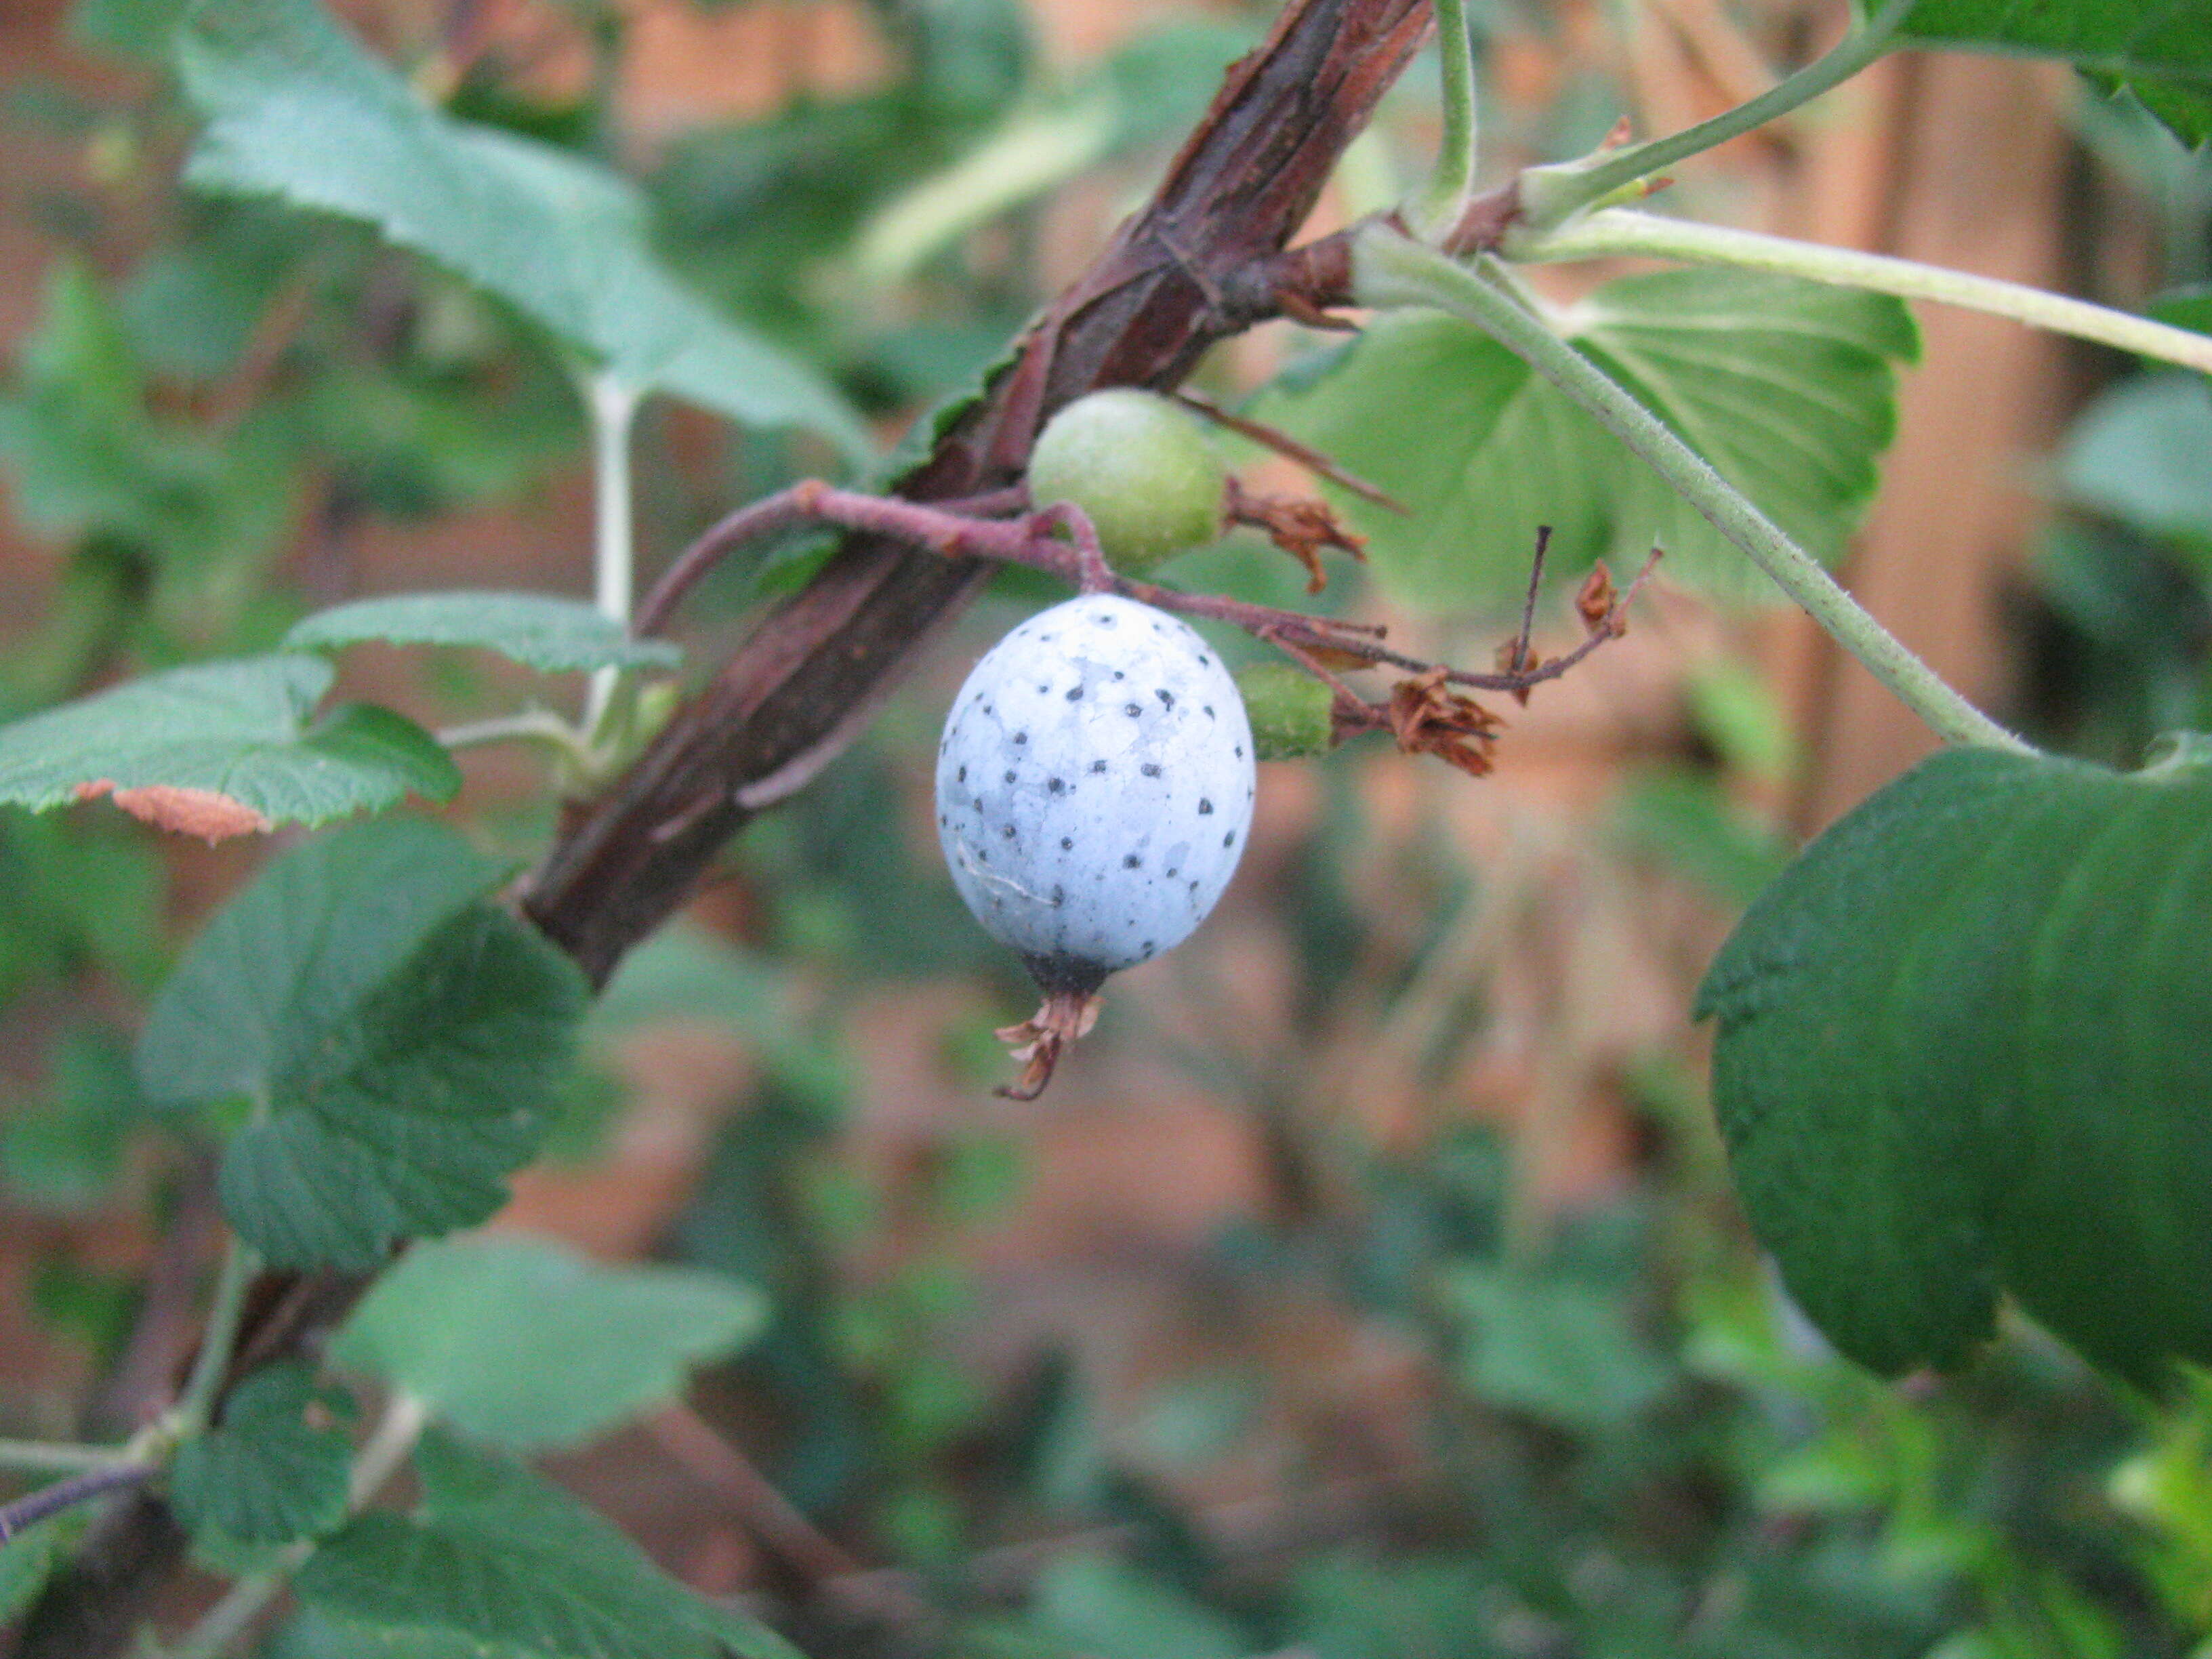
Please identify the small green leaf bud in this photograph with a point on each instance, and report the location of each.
(1292, 712)
(1144, 471)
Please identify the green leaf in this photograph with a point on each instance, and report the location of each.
(2137, 454)
(535, 629)
(1786, 386)
(402, 1044)
(500, 1559)
(235, 733)
(29, 1558)
(1552, 1347)
(1961, 1049)
(295, 108)
(269, 1472)
(519, 1341)
(2161, 50)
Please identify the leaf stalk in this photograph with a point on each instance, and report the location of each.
(1625, 231)
(1393, 269)
(1550, 196)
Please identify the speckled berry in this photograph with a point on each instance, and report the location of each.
(1143, 470)
(1094, 789)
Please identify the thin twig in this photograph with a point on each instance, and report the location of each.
(1030, 540)
(1291, 449)
(1529, 604)
(66, 1494)
(776, 1522)
(219, 1338)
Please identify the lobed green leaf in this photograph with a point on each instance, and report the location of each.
(2159, 50)
(519, 1341)
(1788, 387)
(402, 1045)
(234, 738)
(268, 1473)
(499, 1561)
(538, 631)
(296, 109)
(1961, 1051)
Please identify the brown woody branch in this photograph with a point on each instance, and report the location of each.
(1192, 268)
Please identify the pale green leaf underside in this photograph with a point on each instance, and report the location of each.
(502, 1559)
(1787, 387)
(538, 631)
(519, 1341)
(1961, 1050)
(238, 728)
(405, 1043)
(295, 108)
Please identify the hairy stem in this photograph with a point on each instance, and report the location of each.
(613, 406)
(1394, 271)
(59, 1457)
(1552, 195)
(1618, 231)
(1453, 173)
(536, 724)
(219, 1339)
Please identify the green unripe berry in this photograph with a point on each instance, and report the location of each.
(1291, 712)
(1143, 470)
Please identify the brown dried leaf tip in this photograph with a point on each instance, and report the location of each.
(1301, 527)
(1599, 606)
(1428, 718)
(1066, 1016)
(205, 812)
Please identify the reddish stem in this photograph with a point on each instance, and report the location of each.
(1060, 541)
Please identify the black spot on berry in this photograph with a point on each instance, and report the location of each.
(1150, 769)
(1146, 947)
(1209, 712)
(1010, 777)
(1119, 674)
(1205, 661)
(1167, 698)
(1008, 832)
(1205, 808)
(1229, 840)
(1098, 766)
(1055, 784)
(1042, 690)
(1194, 884)
(983, 857)
(1105, 622)
(1172, 874)
(1021, 737)
(1066, 843)
(1132, 709)
(1075, 694)
(1058, 894)
(963, 775)
(1132, 862)
(1240, 752)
